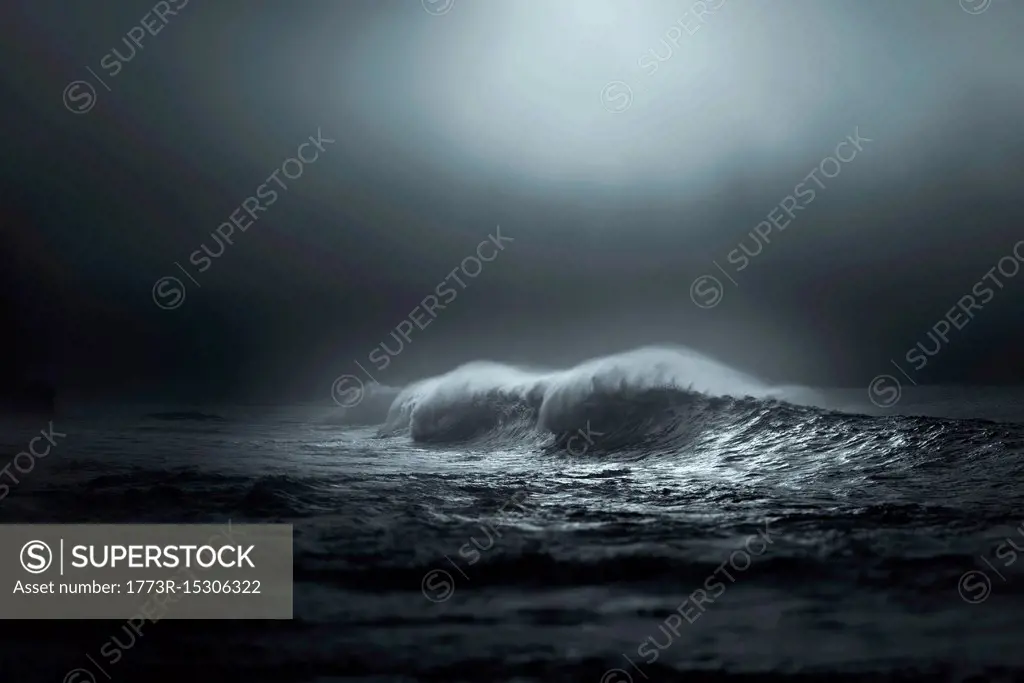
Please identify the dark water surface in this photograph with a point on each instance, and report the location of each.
(686, 539)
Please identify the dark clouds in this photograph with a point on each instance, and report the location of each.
(447, 126)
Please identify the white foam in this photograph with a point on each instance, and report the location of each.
(561, 392)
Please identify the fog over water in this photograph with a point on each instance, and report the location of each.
(629, 150)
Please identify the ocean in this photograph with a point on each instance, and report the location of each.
(648, 517)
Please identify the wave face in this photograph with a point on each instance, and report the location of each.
(649, 397)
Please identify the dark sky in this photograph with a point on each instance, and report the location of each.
(500, 112)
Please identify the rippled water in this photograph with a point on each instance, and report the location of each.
(774, 540)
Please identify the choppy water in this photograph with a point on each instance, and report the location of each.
(704, 538)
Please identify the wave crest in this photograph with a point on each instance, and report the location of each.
(652, 394)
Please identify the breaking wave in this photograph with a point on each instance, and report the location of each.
(652, 395)
(664, 401)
